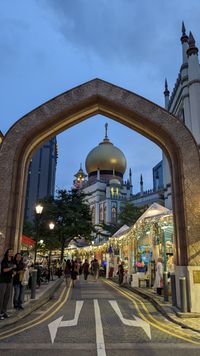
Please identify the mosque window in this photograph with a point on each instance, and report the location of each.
(104, 214)
(93, 215)
(101, 214)
(113, 215)
(112, 191)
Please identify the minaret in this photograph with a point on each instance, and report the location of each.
(166, 94)
(80, 178)
(130, 181)
(184, 41)
(141, 186)
(194, 86)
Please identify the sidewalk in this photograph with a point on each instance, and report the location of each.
(185, 320)
(43, 294)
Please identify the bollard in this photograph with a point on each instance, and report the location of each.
(165, 286)
(183, 294)
(173, 288)
(33, 283)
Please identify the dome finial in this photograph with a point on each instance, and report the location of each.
(106, 131)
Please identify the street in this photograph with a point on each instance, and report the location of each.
(97, 318)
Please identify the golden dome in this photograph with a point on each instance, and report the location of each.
(106, 157)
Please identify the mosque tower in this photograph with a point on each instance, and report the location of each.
(184, 101)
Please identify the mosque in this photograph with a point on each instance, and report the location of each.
(104, 185)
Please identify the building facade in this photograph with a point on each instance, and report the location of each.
(184, 101)
(105, 188)
(41, 177)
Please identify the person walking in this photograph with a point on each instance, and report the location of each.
(86, 269)
(74, 272)
(67, 272)
(158, 284)
(95, 269)
(121, 273)
(18, 298)
(7, 272)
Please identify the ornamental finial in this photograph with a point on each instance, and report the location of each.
(106, 131)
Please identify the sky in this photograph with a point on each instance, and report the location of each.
(50, 46)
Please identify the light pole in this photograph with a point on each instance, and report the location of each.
(38, 210)
(165, 274)
(51, 227)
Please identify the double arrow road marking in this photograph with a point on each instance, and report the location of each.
(58, 323)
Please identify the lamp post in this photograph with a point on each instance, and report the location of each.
(165, 274)
(51, 227)
(38, 210)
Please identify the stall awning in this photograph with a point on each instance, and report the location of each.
(154, 210)
(121, 231)
(27, 241)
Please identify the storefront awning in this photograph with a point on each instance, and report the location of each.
(27, 241)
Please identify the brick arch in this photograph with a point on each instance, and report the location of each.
(147, 118)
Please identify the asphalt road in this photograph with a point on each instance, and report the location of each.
(97, 318)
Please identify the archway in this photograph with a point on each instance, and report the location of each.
(139, 114)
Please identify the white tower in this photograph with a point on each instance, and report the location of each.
(184, 101)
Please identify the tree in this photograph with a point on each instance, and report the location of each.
(129, 214)
(71, 216)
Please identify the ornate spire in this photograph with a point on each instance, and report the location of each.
(166, 91)
(192, 47)
(184, 37)
(183, 29)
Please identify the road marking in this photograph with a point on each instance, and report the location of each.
(137, 322)
(27, 325)
(58, 323)
(155, 322)
(101, 351)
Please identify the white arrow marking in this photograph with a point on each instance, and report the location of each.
(137, 322)
(101, 351)
(58, 323)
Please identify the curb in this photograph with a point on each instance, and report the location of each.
(33, 304)
(161, 309)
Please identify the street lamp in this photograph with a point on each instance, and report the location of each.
(51, 227)
(38, 209)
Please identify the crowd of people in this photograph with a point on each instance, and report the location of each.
(16, 271)
(74, 268)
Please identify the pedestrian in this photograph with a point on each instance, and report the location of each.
(158, 284)
(86, 269)
(95, 269)
(121, 273)
(59, 268)
(67, 272)
(18, 298)
(74, 272)
(7, 272)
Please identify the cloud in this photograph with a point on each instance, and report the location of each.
(119, 30)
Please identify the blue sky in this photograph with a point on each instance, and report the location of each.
(50, 46)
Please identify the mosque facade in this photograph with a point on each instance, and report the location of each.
(104, 186)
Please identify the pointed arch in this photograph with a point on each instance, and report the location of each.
(137, 113)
